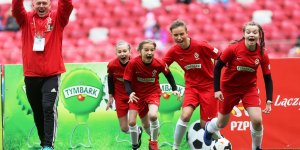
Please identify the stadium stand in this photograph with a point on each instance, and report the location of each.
(218, 23)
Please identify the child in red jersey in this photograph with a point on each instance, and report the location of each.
(116, 88)
(195, 58)
(241, 60)
(141, 82)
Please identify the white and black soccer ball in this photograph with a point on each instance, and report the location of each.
(194, 137)
(221, 144)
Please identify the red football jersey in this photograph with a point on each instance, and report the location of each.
(144, 77)
(196, 61)
(116, 70)
(242, 64)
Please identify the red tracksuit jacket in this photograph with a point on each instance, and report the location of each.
(50, 61)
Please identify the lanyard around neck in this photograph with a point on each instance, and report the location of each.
(46, 27)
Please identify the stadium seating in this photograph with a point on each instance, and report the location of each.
(217, 23)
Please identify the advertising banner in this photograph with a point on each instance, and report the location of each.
(281, 126)
(83, 121)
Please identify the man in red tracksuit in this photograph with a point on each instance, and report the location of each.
(42, 33)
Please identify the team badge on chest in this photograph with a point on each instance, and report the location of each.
(256, 61)
(154, 72)
(196, 55)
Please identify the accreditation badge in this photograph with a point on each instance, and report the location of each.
(39, 44)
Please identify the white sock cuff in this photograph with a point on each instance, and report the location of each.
(154, 123)
(212, 125)
(182, 123)
(214, 121)
(133, 129)
(256, 133)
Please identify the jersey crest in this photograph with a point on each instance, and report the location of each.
(256, 61)
(154, 72)
(196, 55)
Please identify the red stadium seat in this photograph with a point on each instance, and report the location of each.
(202, 19)
(88, 23)
(71, 55)
(220, 18)
(138, 10)
(115, 33)
(108, 22)
(90, 4)
(277, 36)
(131, 2)
(272, 5)
(227, 30)
(234, 7)
(195, 8)
(296, 16)
(167, 2)
(289, 29)
(91, 54)
(100, 13)
(111, 3)
(215, 37)
(291, 5)
(5, 37)
(83, 42)
(278, 15)
(241, 18)
(164, 21)
(81, 13)
(118, 12)
(216, 8)
(15, 56)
